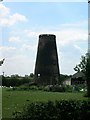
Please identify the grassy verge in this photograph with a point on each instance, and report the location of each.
(0, 102)
(15, 100)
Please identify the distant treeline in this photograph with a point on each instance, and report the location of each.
(16, 80)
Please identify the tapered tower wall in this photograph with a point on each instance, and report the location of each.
(47, 67)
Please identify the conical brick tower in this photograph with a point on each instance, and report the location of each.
(47, 67)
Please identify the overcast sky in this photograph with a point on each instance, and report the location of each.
(22, 22)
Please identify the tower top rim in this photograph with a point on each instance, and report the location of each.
(47, 35)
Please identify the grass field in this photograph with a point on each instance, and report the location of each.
(15, 100)
(0, 103)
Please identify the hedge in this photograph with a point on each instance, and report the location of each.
(58, 110)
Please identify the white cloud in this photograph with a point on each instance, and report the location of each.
(28, 47)
(65, 33)
(9, 1)
(77, 24)
(19, 64)
(7, 51)
(16, 18)
(11, 20)
(6, 19)
(79, 49)
(6, 48)
(46, 0)
(67, 64)
(63, 36)
(4, 11)
(14, 39)
(30, 33)
(68, 36)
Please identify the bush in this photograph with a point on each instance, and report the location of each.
(54, 88)
(59, 110)
(23, 87)
(68, 88)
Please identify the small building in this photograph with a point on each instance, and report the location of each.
(67, 81)
(75, 79)
(78, 78)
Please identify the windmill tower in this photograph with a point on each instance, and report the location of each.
(47, 67)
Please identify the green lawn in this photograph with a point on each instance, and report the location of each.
(15, 100)
(0, 103)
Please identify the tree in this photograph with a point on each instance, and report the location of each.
(88, 74)
(1, 62)
(84, 66)
(31, 75)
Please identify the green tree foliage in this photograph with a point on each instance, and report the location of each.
(84, 66)
(15, 80)
(1, 62)
(31, 75)
(88, 74)
(63, 77)
(58, 110)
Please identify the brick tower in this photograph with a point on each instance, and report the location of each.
(47, 67)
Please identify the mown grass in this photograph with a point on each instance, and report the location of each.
(0, 102)
(15, 100)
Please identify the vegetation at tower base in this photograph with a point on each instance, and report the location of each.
(16, 80)
(84, 66)
(28, 80)
(58, 110)
(47, 68)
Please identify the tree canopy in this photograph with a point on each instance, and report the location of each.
(84, 66)
(1, 62)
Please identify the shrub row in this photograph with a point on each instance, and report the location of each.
(51, 88)
(59, 110)
(15, 81)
